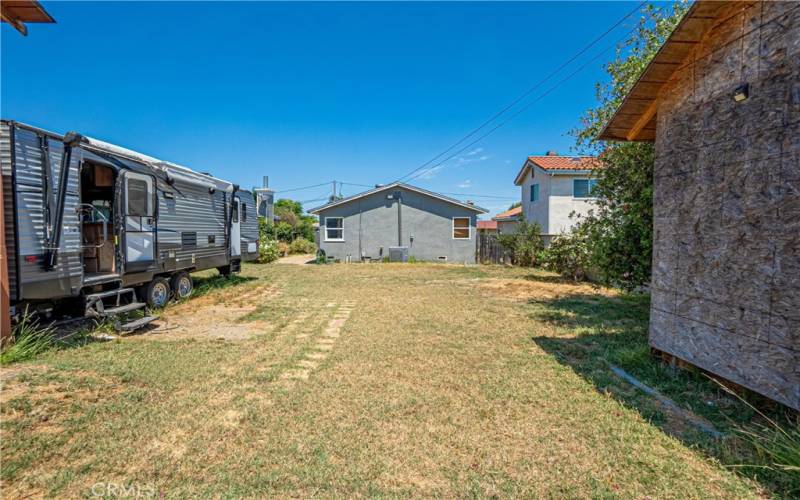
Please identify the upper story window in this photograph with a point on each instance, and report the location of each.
(583, 188)
(461, 228)
(534, 192)
(334, 229)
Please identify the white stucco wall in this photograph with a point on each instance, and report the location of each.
(536, 211)
(556, 201)
(562, 204)
(506, 227)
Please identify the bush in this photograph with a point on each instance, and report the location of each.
(268, 251)
(283, 248)
(568, 255)
(302, 245)
(525, 243)
(28, 340)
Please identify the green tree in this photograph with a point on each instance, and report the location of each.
(525, 243)
(515, 205)
(292, 223)
(619, 231)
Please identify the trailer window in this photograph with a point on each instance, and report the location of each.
(236, 211)
(137, 197)
(244, 212)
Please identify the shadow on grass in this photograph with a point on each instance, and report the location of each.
(206, 284)
(595, 332)
(552, 278)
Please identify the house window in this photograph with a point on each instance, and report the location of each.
(534, 192)
(583, 188)
(461, 228)
(334, 229)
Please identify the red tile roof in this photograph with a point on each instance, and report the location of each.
(556, 163)
(565, 162)
(487, 224)
(514, 212)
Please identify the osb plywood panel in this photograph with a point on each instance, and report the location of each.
(726, 264)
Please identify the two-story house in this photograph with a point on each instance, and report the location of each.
(554, 187)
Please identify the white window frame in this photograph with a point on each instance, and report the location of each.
(339, 228)
(453, 228)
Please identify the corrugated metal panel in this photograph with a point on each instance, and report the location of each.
(191, 208)
(31, 214)
(249, 224)
(8, 205)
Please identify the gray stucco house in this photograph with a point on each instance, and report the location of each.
(400, 217)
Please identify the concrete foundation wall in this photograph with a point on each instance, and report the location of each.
(726, 263)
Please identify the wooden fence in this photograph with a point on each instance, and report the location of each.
(489, 251)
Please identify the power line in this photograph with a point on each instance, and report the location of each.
(312, 201)
(302, 188)
(526, 106)
(527, 92)
(488, 196)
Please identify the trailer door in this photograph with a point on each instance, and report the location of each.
(236, 231)
(140, 223)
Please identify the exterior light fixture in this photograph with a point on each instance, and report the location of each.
(742, 92)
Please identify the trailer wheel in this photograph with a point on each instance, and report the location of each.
(181, 285)
(156, 293)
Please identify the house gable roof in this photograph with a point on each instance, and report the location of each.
(635, 119)
(578, 165)
(394, 185)
(512, 214)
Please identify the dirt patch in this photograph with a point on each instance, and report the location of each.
(532, 289)
(221, 315)
(307, 258)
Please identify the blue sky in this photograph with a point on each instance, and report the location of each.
(310, 92)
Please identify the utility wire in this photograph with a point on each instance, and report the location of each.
(487, 196)
(527, 92)
(302, 188)
(527, 105)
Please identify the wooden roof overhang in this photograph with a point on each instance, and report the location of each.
(635, 119)
(18, 12)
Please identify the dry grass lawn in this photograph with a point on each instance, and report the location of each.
(368, 380)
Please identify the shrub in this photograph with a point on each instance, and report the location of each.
(568, 255)
(283, 248)
(28, 340)
(525, 243)
(302, 245)
(268, 251)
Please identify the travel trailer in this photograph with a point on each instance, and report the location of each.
(109, 230)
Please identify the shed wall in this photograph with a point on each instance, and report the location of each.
(726, 271)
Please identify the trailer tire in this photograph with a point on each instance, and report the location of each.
(156, 293)
(181, 285)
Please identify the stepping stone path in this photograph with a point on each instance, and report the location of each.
(323, 346)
